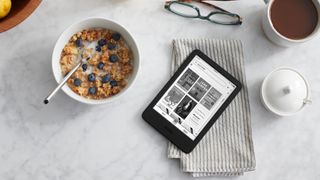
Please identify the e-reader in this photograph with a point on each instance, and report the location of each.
(191, 101)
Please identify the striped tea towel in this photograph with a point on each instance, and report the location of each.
(227, 148)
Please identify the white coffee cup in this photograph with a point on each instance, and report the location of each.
(278, 38)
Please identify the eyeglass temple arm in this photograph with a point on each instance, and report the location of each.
(209, 4)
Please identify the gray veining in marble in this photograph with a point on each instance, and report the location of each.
(71, 141)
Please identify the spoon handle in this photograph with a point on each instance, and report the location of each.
(65, 79)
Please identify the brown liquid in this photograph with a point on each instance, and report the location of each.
(294, 19)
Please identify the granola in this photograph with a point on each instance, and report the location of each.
(108, 63)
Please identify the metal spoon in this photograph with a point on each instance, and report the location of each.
(65, 79)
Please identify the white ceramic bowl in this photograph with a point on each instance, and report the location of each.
(93, 23)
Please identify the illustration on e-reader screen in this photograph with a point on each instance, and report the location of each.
(194, 97)
(199, 89)
(185, 107)
(173, 97)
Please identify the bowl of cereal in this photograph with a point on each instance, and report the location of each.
(109, 60)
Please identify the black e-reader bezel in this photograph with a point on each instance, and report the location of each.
(170, 131)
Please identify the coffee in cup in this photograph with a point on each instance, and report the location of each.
(289, 22)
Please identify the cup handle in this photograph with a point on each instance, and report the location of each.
(266, 1)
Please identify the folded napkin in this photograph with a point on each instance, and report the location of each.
(227, 148)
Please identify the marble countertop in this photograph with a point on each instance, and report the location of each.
(71, 141)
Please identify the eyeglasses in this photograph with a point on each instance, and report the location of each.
(187, 10)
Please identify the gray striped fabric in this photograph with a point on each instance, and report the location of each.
(227, 148)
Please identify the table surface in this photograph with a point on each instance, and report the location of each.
(71, 141)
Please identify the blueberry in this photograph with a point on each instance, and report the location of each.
(78, 42)
(100, 65)
(116, 36)
(113, 83)
(106, 78)
(113, 58)
(92, 90)
(77, 82)
(111, 46)
(84, 67)
(98, 48)
(91, 77)
(102, 42)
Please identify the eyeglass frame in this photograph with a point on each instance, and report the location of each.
(221, 11)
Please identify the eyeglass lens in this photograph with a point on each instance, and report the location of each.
(183, 10)
(223, 18)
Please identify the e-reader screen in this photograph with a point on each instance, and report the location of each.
(194, 97)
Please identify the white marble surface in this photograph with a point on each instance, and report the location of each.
(72, 141)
